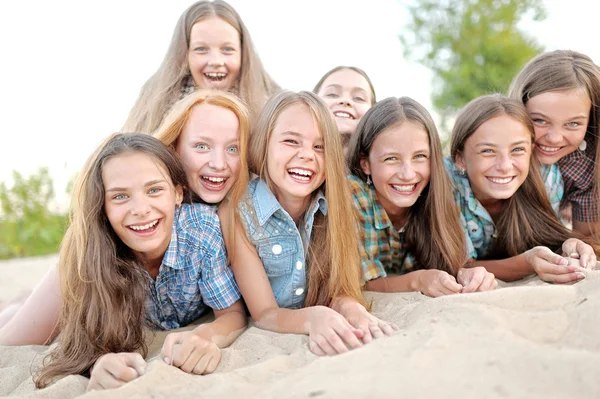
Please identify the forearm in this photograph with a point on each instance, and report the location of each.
(224, 330)
(509, 269)
(404, 283)
(285, 321)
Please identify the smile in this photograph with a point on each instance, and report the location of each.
(342, 114)
(214, 183)
(501, 180)
(215, 76)
(302, 175)
(548, 150)
(144, 229)
(405, 189)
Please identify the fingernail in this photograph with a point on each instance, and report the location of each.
(167, 360)
(580, 275)
(564, 262)
(573, 254)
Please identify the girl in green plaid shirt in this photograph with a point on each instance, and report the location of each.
(408, 222)
(512, 229)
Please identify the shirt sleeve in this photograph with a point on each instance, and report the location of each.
(472, 253)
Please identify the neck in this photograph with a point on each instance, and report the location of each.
(151, 263)
(398, 217)
(494, 207)
(295, 207)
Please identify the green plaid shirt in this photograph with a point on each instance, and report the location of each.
(382, 247)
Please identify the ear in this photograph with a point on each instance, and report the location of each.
(459, 161)
(365, 165)
(178, 195)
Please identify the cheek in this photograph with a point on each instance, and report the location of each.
(362, 110)
(234, 164)
(539, 132)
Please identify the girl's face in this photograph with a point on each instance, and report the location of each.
(560, 120)
(348, 96)
(296, 157)
(215, 54)
(139, 202)
(400, 166)
(496, 158)
(209, 150)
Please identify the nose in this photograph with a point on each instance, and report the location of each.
(215, 59)
(344, 99)
(407, 172)
(306, 153)
(217, 160)
(140, 206)
(504, 163)
(553, 135)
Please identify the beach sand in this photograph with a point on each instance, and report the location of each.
(525, 340)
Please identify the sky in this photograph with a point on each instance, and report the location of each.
(72, 69)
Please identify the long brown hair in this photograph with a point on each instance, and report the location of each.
(351, 68)
(334, 260)
(433, 231)
(173, 124)
(102, 284)
(164, 87)
(528, 219)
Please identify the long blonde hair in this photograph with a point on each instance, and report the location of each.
(334, 260)
(165, 86)
(433, 231)
(173, 124)
(103, 286)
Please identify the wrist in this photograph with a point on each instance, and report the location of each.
(415, 281)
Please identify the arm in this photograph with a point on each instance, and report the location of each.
(588, 229)
(36, 322)
(430, 282)
(228, 325)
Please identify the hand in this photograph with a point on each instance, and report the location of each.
(330, 333)
(191, 353)
(552, 267)
(577, 249)
(116, 369)
(371, 326)
(475, 279)
(437, 283)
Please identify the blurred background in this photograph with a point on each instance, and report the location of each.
(71, 70)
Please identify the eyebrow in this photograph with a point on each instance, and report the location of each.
(495, 145)
(546, 116)
(423, 150)
(150, 183)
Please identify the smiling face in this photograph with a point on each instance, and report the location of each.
(139, 202)
(209, 150)
(496, 158)
(215, 54)
(348, 96)
(295, 155)
(560, 120)
(399, 165)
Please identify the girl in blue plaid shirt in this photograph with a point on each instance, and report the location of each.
(513, 230)
(133, 256)
(294, 253)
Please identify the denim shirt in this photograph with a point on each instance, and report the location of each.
(280, 245)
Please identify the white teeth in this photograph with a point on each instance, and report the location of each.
(404, 187)
(216, 75)
(302, 172)
(500, 180)
(549, 149)
(342, 114)
(144, 227)
(214, 179)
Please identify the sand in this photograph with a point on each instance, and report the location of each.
(525, 340)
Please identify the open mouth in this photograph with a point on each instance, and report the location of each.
(405, 189)
(547, 150)
(342, 114)
(215, 76)
(146, 228)
(214, 183)
(301, 175)
(501, 180)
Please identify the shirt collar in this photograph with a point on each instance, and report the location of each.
(380, 217)
(170, 257)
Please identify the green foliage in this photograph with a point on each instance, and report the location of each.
(473, 47)
(27, 227)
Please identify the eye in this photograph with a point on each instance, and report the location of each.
(201, 146)
(519, 149)
(539, 121)
(201, 49)
(359, 99)
(119, 197)
(421, 156)
(319, 147)
(155, 190)
(290, 141)
(390, 159)
(487, 151)
(233, 149)
(573, 124)
(228, 49)
(331, 95)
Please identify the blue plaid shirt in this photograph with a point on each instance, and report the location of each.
(475, 219)
(280, 245)
(194, 273)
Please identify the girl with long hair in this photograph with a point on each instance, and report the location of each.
(134, 256)
(211, 48)
(292, 256)
(349, 93)
(513, 230)
(408, 221)
(561, 91)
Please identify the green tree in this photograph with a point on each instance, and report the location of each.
(27, 226)
(473, 47)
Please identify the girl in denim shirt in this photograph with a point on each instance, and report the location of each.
(294, 253)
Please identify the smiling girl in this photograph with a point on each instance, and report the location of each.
(512, 228)
(408, 221)
(210, 49)
(134, 256)
(349, 93)
(561, 91)
(295, 263)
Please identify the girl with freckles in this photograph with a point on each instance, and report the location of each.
(512, 229)
(292, 256)
(561, 91)
(211, 48)
(409, 229)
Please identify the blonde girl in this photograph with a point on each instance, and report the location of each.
(210, 49)
(296, 264)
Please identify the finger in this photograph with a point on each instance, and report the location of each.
(200, 367)
(120, 371)
(180, 355)
(167, 348)
(387, 328)
(194, 358)
(489, 283)
(448, 285)
(477, 279)
(213, 363)
(551, 257)
(570, 249)
(563, 278)
(108, 382)
(376, 331)
(325, 345)
(136, 361)
(336, 340)
(346, 332)
(315, 348)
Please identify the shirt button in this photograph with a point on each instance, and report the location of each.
(299, 265)
(276, 249)
(299, 291)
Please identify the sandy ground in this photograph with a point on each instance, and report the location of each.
(525, 340)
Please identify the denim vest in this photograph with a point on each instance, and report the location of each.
(280, 245)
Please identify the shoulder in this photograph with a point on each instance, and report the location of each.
(198, 219)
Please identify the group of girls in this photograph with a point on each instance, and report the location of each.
(229, 193)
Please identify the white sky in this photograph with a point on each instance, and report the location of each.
(71, 70)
